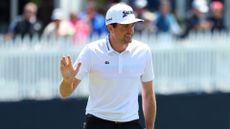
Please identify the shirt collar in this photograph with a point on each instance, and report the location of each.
(110, 49)
(108, 46)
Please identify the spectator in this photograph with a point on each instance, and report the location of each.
(165, 21)
(58, 27)
(81, 29)
(216, 18)
(94, 19)
(140, 7)
(148, 17)
(197, 20)
(147, 26)
(27, 24)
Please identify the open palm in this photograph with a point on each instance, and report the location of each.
(68, 72)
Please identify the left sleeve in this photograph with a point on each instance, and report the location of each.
(84, 57)
(148, 74)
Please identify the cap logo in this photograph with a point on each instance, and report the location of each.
(125, 13)
(109, 19)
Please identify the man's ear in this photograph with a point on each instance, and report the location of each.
(109, 27)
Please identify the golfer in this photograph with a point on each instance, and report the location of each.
(117, 67)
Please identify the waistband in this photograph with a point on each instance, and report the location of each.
(94, 118)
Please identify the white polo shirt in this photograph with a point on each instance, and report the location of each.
(114, 78)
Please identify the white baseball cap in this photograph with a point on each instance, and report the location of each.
(200, 5)
(122, 14)
(57, 14)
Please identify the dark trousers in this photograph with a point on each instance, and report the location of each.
(93, 122)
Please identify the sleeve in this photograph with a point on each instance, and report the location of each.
(13, 24)
(175, 28)
(84, 59)
(148, 74)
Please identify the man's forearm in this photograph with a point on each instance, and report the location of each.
(66, 88)
(149, 109)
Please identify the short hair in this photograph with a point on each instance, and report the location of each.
(31, 6)
(114, 25)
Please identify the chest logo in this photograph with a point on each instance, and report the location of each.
(106, 62)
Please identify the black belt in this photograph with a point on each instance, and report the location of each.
(94, 118)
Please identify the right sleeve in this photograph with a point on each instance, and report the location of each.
(84, 59)
(13, 24)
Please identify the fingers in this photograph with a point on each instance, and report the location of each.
(63, 62)
(77, 68)
(69, 60)
(67, 63)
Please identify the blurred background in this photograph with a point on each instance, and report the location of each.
(189, 40)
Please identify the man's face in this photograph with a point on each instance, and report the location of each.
(29, 13)
(122, 33)
(165, 9)
(217, 13)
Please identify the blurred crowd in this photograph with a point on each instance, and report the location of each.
(202, 17)
(78, 27)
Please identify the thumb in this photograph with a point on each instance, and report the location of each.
(77, 68)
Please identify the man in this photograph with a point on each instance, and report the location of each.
(116, 66)
(197, 20)
(92, 17)
(25, 25)
(58, 27)
(165, 21)
(216, 18)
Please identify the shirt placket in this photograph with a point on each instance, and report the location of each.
(120, 64)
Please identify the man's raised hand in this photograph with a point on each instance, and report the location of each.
(68, 72)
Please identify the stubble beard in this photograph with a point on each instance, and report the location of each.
(128, 39)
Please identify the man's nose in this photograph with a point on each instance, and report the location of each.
(130, 29)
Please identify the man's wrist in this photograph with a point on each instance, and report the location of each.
(150, 127)
(67, 81)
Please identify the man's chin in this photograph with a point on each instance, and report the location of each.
(129, 41)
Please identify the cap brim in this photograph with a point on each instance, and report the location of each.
(130, 21)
